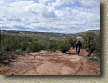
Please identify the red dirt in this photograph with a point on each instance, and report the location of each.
(52, 64)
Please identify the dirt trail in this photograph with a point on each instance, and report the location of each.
(51, 64)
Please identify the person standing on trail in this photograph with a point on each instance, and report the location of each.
(78, 46)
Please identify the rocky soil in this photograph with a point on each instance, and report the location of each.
(52, 63)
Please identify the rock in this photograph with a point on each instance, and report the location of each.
(43, 52)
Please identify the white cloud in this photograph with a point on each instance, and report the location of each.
(91, 3)
(69, 17)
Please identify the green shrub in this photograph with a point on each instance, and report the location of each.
(72, 42)
(91, 42)
(35, 46)
(64, 46)
(53, 45)
(93, 58)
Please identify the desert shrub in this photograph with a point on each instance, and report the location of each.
(53, 45)
(12, 45)
(19, 52)
(98, 43)
(45, 44)
(91, 42)
(7, 55)
(94, 58)
(72, 42)
(23, 45)
(35, 46)
(64, 46)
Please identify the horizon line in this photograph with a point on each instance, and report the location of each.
(50, 31)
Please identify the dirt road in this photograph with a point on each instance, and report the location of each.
(51, 64)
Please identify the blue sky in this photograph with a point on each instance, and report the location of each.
(61, 16)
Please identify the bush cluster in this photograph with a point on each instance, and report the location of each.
(12, 45)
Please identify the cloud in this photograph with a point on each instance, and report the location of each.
(90, 3)
(64, 16)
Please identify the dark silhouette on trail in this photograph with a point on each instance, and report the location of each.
(78, 46)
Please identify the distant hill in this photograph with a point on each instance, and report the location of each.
(97, 32)
(36, 34)
(45, 34)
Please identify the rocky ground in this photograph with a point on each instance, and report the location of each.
(52, 63)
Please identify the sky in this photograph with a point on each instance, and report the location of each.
(60, 16)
